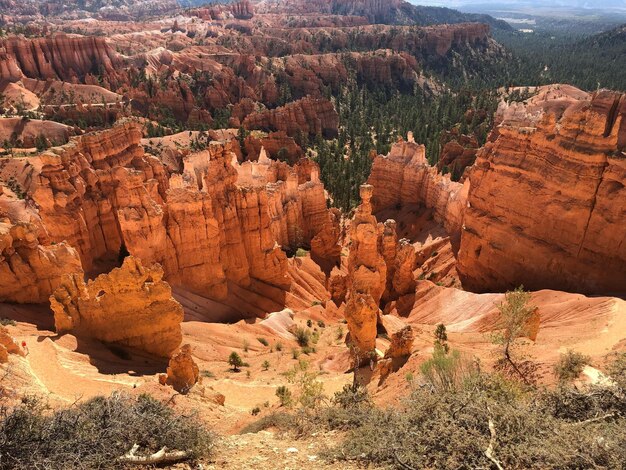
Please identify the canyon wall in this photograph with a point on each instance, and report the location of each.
(63, 57)
(216, 223)
(547, 198)
(404, 177)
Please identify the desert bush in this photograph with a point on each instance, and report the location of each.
(570, 366)
(266, 365)
(446, 370)
(263, 341)
(93, 434)
(235, 361)
(453, 429)
(284, 395)
(303, 336)
(7, 322)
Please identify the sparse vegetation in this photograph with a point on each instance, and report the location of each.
(96, 433)
(284, 395)
(263, 341)
(266, 365)
(235, 361)
(515, 317)
(303, 336)
(7, 322)
(570, 366)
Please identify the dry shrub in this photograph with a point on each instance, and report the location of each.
(93, 434)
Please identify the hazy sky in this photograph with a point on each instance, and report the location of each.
(591, 4)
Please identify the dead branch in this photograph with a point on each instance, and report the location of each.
(492, 443)
(160, 457)
(593, 420)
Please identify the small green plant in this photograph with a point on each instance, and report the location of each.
(266, 365)
(7, 322)
(255, 411)
(295, 353)
(446, 371)
(303, 336)
(284, 395)
(310, 390)
(263, 341)
(279, 346)
(441, 337)
(339, 333)
(321, 324)
(208, 374)
(246, 345)
(570, 366)
(301, 253)
(248, 374)
(308, 350)
(309, 323)
(235, 361)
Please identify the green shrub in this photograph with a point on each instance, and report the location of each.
(235, 361)
(263, 341)
(266, 365)
(7, 322)
(93, 434)
(570, 366)
(303, 336)
(279, 346)
(446, 371)
(284, 395)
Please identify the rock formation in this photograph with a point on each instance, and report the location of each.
(8, 346)
(131, 306)
(62, 57)
(217, 222)
(182, 371)
(405, 177)
(547, 203)
(308, 116)
(31, 267)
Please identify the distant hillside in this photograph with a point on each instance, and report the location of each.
(589, 63)
(397, 12)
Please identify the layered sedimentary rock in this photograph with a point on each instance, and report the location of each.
(182, 372)
(458, 151)
(31, 267)
(308, 116)
(405, 177)
(131, 306)
(366, 279)
(63, 57)
(547, 201)
(217, 222)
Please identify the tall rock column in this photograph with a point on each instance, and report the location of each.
(367, 278)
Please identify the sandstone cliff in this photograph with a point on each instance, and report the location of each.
(309, 116)
(405, 177)
(131, 306)
(547, 204)
(31, 267)
(215, 223)
(63, 57)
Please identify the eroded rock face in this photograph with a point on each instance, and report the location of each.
(215, 222)
(131, 306)
(405, 177)
(182, 372)
(8, 346)
(547, 202)
(60, 56)
(308, 116)
(31, 267)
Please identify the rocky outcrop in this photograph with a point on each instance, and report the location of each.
(213, 224)
(367, 276)
(405, 177)
(458, 151)
(308, 116)
(8, 346)
(182, 372)
(31, 267)
(63, 57)
(131, 306)
(547, 203)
